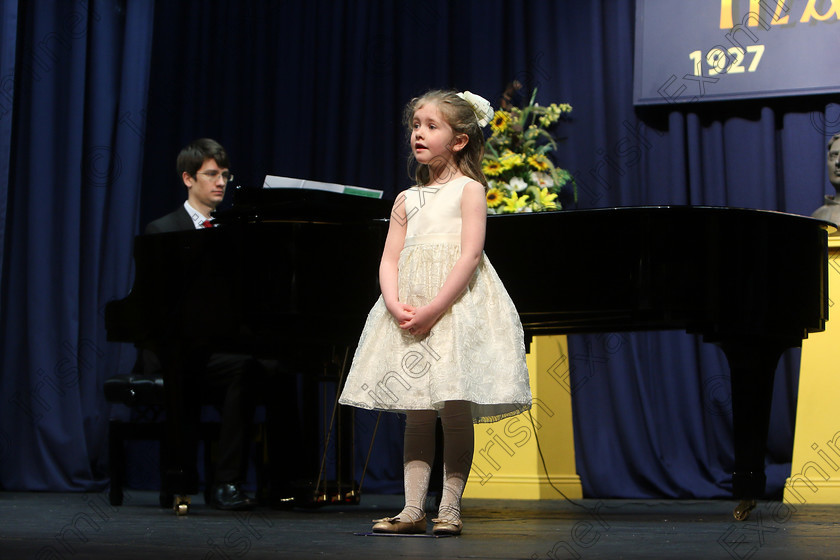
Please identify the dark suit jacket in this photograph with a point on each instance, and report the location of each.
(179, 220)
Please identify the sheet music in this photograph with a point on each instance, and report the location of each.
(275, 182)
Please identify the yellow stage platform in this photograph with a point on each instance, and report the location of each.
(508, 463)
(815, 469)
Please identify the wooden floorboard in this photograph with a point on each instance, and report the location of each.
(85, 526)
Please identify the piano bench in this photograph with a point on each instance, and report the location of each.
(143, 394)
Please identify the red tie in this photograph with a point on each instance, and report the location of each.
(207, 223)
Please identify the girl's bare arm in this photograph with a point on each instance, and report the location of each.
(389, 264)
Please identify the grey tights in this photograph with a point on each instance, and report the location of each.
(419, 455)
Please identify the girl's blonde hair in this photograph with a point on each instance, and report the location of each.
(460, 116)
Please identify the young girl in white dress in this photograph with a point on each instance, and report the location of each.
(444, 337)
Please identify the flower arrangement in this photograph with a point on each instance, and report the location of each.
(521, 176)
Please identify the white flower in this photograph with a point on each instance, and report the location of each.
(481, 107)
(518, 184)
(543, 179)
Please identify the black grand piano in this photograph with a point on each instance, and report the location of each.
(754, 282)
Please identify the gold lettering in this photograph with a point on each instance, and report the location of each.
(811, 11)
(756, 6)
(726, 14)
(727, 18)
(777, 15)
(754, 17)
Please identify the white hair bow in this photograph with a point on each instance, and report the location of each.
(481, 107)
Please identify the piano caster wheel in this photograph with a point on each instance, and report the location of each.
(181, 505)
(352, 497)
(742, 510)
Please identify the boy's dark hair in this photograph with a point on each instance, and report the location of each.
(192, 156)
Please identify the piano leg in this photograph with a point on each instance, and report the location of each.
(339, 437)
(182, 413)
(752, 364)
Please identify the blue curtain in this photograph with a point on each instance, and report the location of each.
(71, 195)
(315, 90)
(8, 44)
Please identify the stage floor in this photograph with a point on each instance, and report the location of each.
(85, 526)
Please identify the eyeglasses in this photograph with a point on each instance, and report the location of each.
(213, 175)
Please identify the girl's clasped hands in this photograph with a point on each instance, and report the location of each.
(416, 320)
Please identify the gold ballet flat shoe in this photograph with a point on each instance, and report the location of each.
(443, 527)
(394, 525)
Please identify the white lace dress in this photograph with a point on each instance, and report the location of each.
(475, 352)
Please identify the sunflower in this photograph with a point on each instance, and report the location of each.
(494, 197)
(500, 122)
(492, 167)
(538, 162)
(510, 159)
